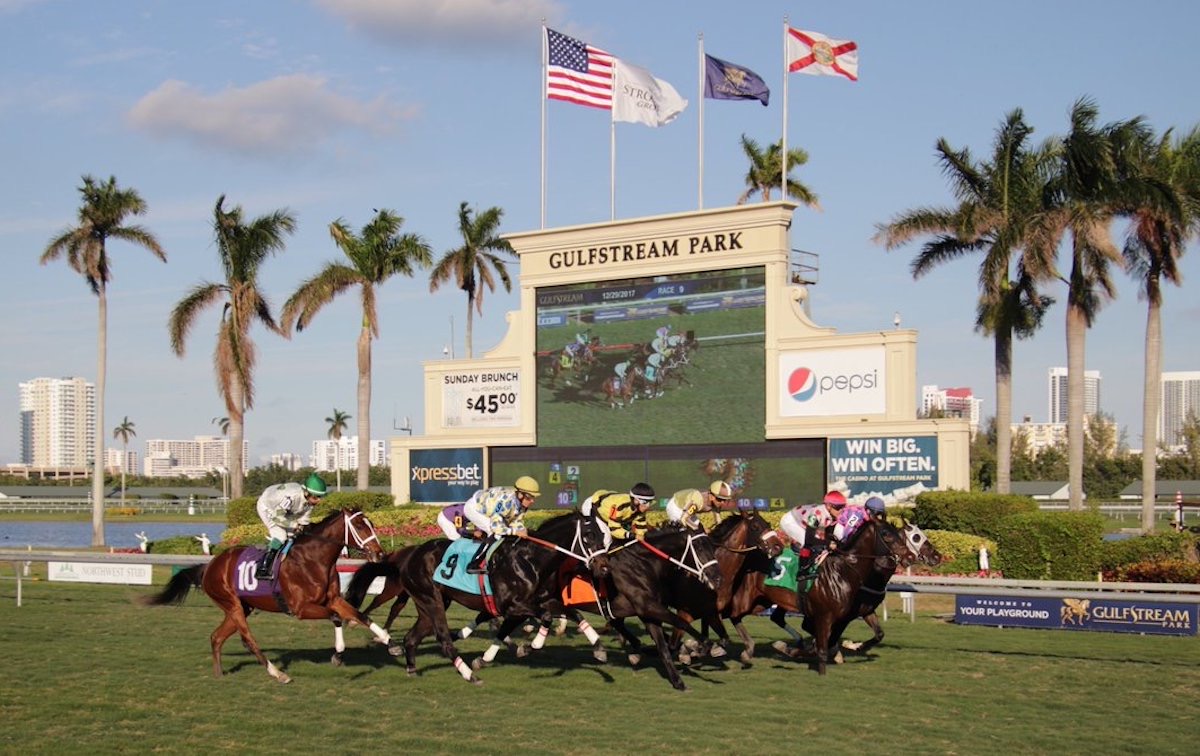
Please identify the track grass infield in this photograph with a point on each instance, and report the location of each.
(87, 671)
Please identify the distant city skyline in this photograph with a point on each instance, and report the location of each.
(1056, 394)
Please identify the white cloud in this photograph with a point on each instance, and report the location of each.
(287, 114)
(445, 22)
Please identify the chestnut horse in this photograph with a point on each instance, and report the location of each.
(308, 586)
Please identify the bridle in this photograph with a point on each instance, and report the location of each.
(690, 554)
(578, 548)
(350, 532)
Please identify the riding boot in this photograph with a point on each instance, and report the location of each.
(475, 566)
(265, 564)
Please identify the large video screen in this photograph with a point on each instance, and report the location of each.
(665, 360)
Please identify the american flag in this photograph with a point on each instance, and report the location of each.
(578, 72)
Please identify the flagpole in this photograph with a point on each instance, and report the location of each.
(783, 141)
(700, 135)
(612, 170)
(542, 97)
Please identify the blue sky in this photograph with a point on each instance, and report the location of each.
(334, 107)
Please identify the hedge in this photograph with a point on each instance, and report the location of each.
(1115, 555)
(967, 512)
(1050, 545)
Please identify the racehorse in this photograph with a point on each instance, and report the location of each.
(643, 581)
(871, 595)
(308, 586)
(523, 574)
(618, 391)
(736, 538)
(577, 363)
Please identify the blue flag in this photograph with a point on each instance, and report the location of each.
(726, 81)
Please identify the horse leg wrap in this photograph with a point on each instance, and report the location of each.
(339, 639)
(463, 668)
(491, 652)
(539, 640)
(380, 633)
(796, 636)
(466, 631)
(589, 632)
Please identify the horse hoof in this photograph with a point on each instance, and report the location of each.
(477, 664)
(600, 655)
(284, 679)
(395, 649)
(522, 651)
(717, 652)
(746, 657)
(782, 647)
(851, 645)
(336, 660)
(412, 671)
(685, 660)
(838, 658)
(475, 681)
(635, 659)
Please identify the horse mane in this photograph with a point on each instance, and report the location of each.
(724, 528)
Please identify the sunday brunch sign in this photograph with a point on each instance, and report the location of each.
(481, 399)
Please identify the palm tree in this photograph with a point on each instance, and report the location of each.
(1081, 198)
(102, 216)
(337, 425)
(123, 432)
(242, 248)
(375, 255)
(766, 173)
(1161, 224)
(223, 424)
(471, 265)
(996, 201)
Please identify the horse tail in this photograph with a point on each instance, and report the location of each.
(356, 590)
(177, 588)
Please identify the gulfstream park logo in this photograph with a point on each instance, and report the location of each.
(804, 383)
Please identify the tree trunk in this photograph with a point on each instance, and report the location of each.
(124, 460)
(1151, 407)
(1003, 410)
(470, 323)
(237, 435)
(364, 407)
(98, 450)
(1076, 335)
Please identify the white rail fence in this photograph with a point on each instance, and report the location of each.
(22, 559)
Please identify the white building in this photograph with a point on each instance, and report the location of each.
(952, 402)
(287, 460)
(1039, 436)
(329, 455)
(119, 460)
(57, 425)
(189, 459)
(1180, 397)
(1057, 394)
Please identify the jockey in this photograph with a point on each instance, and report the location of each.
(285, 508)
(498, 511)
(686, 505)
(849, 520)
(807, 526)
(623, 515)
(653, 376)
(454, 523)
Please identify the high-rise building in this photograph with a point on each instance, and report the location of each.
(287, 460)
(952, 402)
(329, 455)
(1180, 397)
(1057, 393)
(119, 460)
(58, 422)
(202, 455)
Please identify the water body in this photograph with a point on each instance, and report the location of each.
(118, 535)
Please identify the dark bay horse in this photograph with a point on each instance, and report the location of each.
(873, 591)
(308, 585)
(644, 581)
(523, 573)
(736, 537)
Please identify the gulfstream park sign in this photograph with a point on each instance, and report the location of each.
(653, 249)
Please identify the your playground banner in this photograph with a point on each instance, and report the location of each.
(1109, 615)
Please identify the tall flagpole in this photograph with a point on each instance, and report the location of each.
(612, 170)
(784, 155)
(700, 135)
(542, 97)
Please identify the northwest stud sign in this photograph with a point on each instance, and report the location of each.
(481, 399)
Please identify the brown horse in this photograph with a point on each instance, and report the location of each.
(619, 392)
(307, 585)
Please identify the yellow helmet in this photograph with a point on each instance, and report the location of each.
(721, 490)
(529, 485)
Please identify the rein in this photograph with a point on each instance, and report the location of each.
(583, 555)
(360, 543)
(696, 572)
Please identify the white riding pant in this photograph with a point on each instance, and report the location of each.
(448, 527)
(792, 527)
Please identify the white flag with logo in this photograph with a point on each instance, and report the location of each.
(639, 97)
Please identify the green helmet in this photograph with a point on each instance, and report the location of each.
(314, 485)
